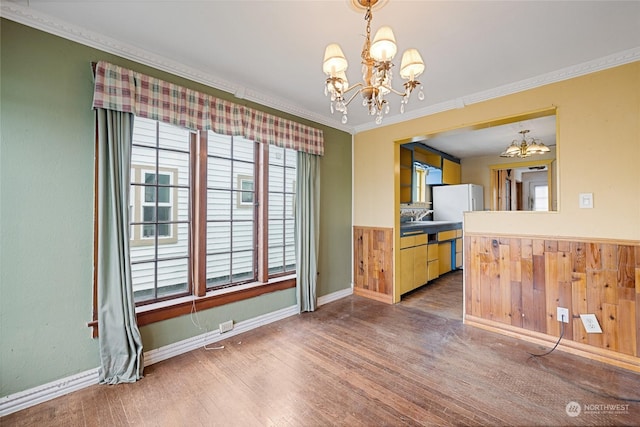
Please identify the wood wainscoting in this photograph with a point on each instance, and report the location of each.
(373, 263)
(514, 285)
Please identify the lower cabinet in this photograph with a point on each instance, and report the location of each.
(433, 269)
(413, 262)
(444, 257)
(459, 251)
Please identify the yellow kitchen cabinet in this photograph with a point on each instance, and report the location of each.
(433, 268)
(444, 257)
(427, 157)
(406, 175)
(413, 262)
(459, 251)
(450, 172)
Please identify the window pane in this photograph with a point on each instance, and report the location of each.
(182, 196)
(290, 257)
(276, 178)
(173, 137)
(219, 173)
(289, 234)
(164, 213)
(276, 155)
(175, 161)
(289, 206)
(172, 277)
(219, 205)
(242, 266)
(143, 279)
(242, 168)
(218, 270)
(218, 237)
(143, 158)
(276, 233)
(276, 260)
(243, 149)
(144, 131)
(218, 145)
(276, 205)
(291, 158)
(242, 235)
(179, 245)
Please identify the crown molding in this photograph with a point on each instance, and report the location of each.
(610, 61)
(43, 22)
(40, 21)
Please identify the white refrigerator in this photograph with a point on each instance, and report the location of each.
(450, 201)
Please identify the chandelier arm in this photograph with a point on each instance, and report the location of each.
(389, 88)
(354, 94)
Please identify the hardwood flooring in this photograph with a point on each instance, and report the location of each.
(359, 362)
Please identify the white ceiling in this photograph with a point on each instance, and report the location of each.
(271, 51)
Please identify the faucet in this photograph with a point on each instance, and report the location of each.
(422, 214)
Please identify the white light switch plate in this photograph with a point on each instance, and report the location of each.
(590, 323)
(586, 200)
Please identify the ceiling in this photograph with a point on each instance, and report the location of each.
(271, 51)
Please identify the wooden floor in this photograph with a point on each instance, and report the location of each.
(358, 362)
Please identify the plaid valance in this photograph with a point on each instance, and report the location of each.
(120, 89)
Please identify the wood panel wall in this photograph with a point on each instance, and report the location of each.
(520, 282)
(373, 263)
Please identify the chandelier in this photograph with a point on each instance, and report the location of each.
(526, 147)
(376, 72)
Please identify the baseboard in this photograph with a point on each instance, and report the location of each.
(334, 296)
(193, 343)
(609, 357)
(31, 397)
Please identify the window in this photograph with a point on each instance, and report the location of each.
(160, 210)
(231, 232)
(199, 221)
(282, 175)
(540, 197)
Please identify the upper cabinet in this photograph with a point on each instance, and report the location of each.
(406, 175)
(421, 166)
(450, 172)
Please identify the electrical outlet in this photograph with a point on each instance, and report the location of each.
(226, 326)
(590, 322)
(563, 314)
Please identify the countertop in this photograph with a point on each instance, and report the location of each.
(427, 227)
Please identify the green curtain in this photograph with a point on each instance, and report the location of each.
(119, 338)
(307, 228)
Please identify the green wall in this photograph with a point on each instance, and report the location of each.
(46, 213)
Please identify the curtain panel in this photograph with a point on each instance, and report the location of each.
(120, 342)
(120, 89)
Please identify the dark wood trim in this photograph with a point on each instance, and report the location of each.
(156, 314)
(170, 309)
(94, 314)
(263, 212)
(199, 220)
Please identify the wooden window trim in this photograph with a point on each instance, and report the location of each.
(176, 307)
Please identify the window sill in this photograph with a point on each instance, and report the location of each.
(180, 306)
(169, 309)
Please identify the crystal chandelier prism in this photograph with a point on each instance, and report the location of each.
(376, 72)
